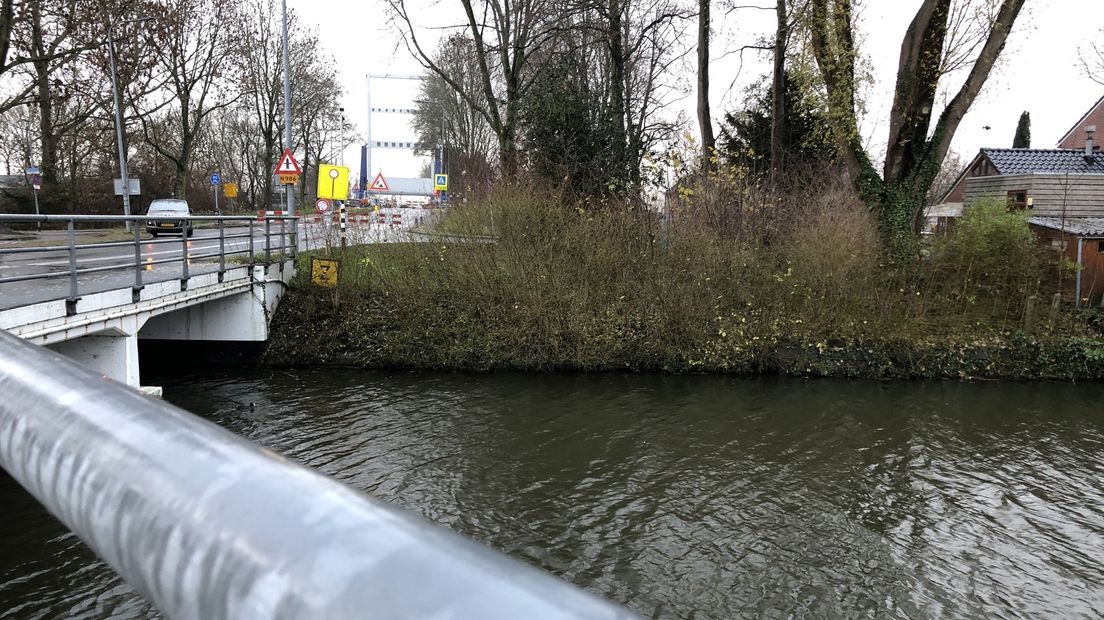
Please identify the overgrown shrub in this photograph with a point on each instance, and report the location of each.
(990, 266)
(528, 280)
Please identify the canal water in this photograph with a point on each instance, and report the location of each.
(680, 497)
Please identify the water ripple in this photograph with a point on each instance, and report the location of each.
(683, 497)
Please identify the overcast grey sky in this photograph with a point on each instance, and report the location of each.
(1038, 72)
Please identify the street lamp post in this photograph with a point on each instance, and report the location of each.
(118, 101)
(341, 135)
(287, 107)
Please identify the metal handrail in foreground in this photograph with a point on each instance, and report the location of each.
(72, 248)
(206, 525)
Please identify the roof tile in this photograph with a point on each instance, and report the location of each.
(1054, 161)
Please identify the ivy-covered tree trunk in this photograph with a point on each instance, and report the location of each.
(917, 141)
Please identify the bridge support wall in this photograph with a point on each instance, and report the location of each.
(103, 333)
(240, 318)
(111, 353)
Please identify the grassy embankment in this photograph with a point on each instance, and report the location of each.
(569, 289)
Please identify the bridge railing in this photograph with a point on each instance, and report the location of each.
(205, 524)
(280, 228)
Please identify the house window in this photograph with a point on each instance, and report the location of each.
(1100, 247)
(1017, 200)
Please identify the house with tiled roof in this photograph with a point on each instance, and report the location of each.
(999, 162)
(1063, 189)
(1049, 182)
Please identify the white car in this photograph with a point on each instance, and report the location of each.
(168, 207)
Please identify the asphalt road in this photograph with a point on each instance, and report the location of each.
(205, 242)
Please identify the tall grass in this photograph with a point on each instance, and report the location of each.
(530, 281)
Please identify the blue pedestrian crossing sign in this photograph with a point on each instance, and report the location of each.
(440, 182)
(215, 179)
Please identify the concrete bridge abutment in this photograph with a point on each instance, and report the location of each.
(112, 353)
(104, 331)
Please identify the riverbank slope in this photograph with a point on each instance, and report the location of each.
(575, 290)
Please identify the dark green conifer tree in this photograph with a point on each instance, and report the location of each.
(1023, 132)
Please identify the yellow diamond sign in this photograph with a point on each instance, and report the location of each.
(324, 272)
(333, 182)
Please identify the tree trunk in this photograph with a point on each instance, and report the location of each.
(617, 89)
(704, 120)
(48, 141)
(508, 132)
(7, 21)
(180, 179)
(916, 147)
(778, 94)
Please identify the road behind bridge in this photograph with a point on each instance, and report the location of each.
(205, 242)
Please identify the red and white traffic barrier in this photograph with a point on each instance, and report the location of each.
(262, 214)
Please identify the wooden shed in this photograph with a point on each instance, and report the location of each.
(1081, 242)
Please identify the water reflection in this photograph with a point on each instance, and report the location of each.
(706, 497)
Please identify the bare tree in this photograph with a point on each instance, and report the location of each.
(49, 40)
(506, 36)
(321, 126)
(1092, 60)
(194, 51)
(259, 74)
(443, 115)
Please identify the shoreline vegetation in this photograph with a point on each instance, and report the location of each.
(723, 286)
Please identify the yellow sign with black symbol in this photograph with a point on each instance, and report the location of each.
(230, 190)
(324, 272)
(333, 182)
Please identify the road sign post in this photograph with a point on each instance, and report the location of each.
(215, 180)
(34, 173)
(230, 192)
(324, 272)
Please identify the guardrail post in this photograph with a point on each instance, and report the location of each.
(136, 291)
(184, 255)
(251, 250)
(295, 240)
(71, 301)
(222, 250)
(283, 243)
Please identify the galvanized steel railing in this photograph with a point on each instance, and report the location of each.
(288, 244)
(206, 525)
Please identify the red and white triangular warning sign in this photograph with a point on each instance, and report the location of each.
(287, 164)
(380, 184)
